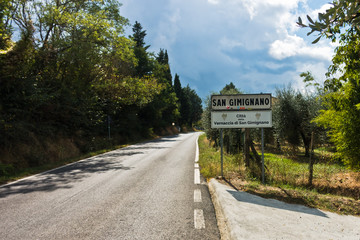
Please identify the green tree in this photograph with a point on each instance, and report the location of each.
(341, 94)
(5, 27)
(163, 110)
(143, 66)
(191, 108)
(17, 90)
(177, 86)
(163, 59)
(232, 137)
(293, 114)
(343, 13)
(76, 72)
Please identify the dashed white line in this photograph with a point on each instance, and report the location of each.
(199, 219)
(196, 165)
(197, 196)
(197, 176)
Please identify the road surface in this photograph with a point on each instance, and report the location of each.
(150, 190)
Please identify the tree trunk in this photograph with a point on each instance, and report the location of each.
(306, 143)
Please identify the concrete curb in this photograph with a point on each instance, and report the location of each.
(222, 221)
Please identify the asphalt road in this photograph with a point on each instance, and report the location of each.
(145, 191)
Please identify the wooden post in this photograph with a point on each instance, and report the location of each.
(311, 162)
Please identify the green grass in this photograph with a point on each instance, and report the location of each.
(211, 158)
(286, 179)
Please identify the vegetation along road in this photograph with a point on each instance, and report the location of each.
(144, 191)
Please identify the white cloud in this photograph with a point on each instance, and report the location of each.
(288, 47)
(215, 2)
(228, 43)
(296, 46)
(314, 14)
(254, 43)
(317, 69)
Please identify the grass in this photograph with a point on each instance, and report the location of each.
(334, 188)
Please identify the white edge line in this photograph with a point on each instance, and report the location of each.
(197, 150)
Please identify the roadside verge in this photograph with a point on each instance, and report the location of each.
(245, 216)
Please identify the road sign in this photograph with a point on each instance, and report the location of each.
(241, 119)
(241, 102)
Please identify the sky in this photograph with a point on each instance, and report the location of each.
(255, 44)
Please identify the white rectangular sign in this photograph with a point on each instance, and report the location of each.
(241, 119)
(241, 102)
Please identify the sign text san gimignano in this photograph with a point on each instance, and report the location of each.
(241, 111)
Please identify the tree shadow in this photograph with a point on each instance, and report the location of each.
(65, 177)
(273, 203)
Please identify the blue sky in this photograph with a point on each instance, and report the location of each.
(253, 43)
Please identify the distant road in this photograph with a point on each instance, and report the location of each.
(145, 191)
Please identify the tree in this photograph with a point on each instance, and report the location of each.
(177, 86)
(293, 114)
(163, 59)
(5, 27)
(143, 66)
(191, 108)
(343, 13)
(190, 104)
(163, 110)
(232, 137)
(341, 94)
(74, 72)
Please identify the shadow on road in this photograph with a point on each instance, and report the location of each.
(272, 203)
(64, 177)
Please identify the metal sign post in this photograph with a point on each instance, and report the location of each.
(262, 157)
(222, 151)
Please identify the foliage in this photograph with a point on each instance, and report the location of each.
(232, 137)
(343, 13)
(190, 103)
(74, 74)
(5, 27)
(293, 113)
(335, 188)
(341, 94)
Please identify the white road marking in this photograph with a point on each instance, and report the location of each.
(197, 150)
(197, 196)
(197, 176)
(199, 219)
